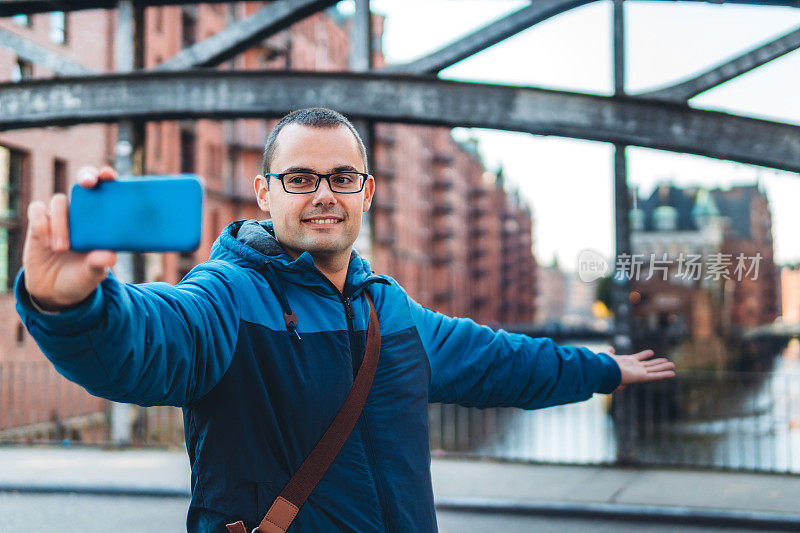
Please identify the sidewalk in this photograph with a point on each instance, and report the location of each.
(483, 486)
(661, 495)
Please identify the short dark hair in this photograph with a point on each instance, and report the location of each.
(315, 117)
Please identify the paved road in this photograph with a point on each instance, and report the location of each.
(450, 522)
(74, 513)
(619, 493)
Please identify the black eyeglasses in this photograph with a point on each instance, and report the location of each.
(308, 182)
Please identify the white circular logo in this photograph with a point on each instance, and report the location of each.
(591, 265)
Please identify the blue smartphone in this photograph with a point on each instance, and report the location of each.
(142, 214)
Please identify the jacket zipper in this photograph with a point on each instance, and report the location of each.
(351, 315)
(363, 428)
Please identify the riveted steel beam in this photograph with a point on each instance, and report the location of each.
(241, 35)
(718, 75)
(386, 98)
(36, 53)
(14, 7)
(487, 36)
(512, 24)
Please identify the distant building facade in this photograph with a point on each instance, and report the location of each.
(705, 263)
(551, 298)
(564, 298)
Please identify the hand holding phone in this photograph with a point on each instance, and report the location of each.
(56, 276)
(68, 251)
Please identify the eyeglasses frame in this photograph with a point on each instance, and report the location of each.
(364, 177)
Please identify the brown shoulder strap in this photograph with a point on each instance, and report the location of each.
(298, 489)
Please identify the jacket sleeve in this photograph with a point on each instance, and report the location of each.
(474, 366)
(148, 344)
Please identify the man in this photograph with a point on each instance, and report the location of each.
(260, 344)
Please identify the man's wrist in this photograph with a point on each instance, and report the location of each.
(47, 309)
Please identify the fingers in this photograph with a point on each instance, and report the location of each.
(107, 174)
(87, 177)
(655, 376)
(653, 362)
(646, 354)
(59, 223)
(39, 223)
(611, 350)
(661, 367)
(101, 259)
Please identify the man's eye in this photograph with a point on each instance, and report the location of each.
(343, 178)
(299, 179)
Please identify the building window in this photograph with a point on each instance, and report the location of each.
(189, 25)
(665, 218)
(59, 176)
(58, 27)
(11, 170)
(11, 166)
(157, 140)
(23, 20)
(215, 225)
(22, 70)
(188, 150)
(214, 159)
(159, 13)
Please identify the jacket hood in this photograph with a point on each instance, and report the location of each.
(251, 243)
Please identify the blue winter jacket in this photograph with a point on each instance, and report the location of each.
(258, 394)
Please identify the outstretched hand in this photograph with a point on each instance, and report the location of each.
(639, 368)
(56, 276)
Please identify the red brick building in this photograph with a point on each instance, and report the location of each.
(790, 294)
(442, 225)
(707, 268)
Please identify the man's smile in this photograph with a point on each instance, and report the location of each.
(322, 221)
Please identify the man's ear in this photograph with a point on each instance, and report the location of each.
(261, 186)
(369, 191)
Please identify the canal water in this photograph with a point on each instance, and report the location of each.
(738, 420)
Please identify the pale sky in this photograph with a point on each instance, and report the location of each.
(569, 182)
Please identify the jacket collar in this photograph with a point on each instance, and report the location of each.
(251, 243)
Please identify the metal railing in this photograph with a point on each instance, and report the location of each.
(727, 420)
(721, 420)
(37, 405)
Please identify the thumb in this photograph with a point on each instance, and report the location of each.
(101, 259)
(97, 264)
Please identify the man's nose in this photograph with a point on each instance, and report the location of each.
(323, 195)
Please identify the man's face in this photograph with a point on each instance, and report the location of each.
(298, 218)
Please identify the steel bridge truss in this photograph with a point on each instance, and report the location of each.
(185, 87)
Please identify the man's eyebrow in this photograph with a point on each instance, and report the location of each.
(345, 168)
(297, 169)
(340, 168)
